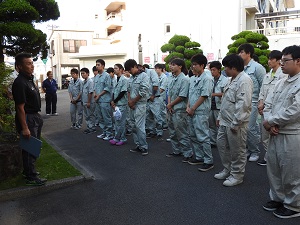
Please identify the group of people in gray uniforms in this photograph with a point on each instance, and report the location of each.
(204, 110)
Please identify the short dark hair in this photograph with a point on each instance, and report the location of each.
(74, 70)
(119, 66)
(293, 50)
(20, 57)
(199, 59)
(159, 66)
(234, 61)
(275, 54)
(130, 63)
(101, 61)
(146, 66)
(255, 58)
(110, 70)
(215, 64)
(180, 62)
(95, 68)
(247, 48)
(84, 69)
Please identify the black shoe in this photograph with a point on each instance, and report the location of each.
(165, 128)
(160, 138)
(186, 159)
(137, 149)
(144, 151)
(173, 154)
(128, 133)
(35, 182)
(285, 213)
(272, 205)
(205, 167)
(195, 162)
(262, 162)
(88, 131)
(150, 135)
(24, 175)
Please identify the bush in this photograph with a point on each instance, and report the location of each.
(257, 51)
(173, 55)
(7, 119)
(188, 63)
(238, 42)
(192, 44)
(167, 48)
(179, 40)
(253, 37)
(266, 52)
(180, 49)
(241, 35)
(263, 45)
(233, 50)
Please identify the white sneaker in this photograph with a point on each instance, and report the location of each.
(168, 139)
(231, 181)
(101, 136)
(253, 157)
(221, 175)
(107, 138)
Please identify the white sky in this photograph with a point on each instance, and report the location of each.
(217, 17)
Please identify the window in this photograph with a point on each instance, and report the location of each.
(167, 28)
(72, 46)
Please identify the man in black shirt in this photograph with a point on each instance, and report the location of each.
(28, 103)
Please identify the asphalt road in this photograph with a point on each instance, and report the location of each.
(132, 189)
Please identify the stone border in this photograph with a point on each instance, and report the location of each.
(26, 191)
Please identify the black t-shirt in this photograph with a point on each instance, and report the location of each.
(25, 91)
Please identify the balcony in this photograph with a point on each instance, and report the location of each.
(115, 6)
(114, 20)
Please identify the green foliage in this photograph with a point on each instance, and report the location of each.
(263, 60)
(173, 55)
(253, 37)
(17, 31)
(167, 47)
(7, 119)
(238, 42)
(189, 53)
(266, 52)
(240, 35)
(257, 51)
(180, 46)
(50, 164)
(258, 41)
(188, 63)
(180, 49)
(233, 50)
(192, 44)
(179, 40)
(263, 45)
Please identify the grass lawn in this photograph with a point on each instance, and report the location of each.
(50, 164)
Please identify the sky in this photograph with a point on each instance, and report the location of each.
(217, 18)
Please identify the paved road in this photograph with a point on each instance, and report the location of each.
(132, 189)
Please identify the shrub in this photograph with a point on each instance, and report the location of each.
(167, 48)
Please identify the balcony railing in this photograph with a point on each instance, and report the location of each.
(278, 30)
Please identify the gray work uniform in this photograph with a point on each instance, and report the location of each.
(214, 112)
(103, 82)
(267, 87)
(201, 86)
(163, 85)
(179, 119)
(122, 104)
(256, 72)
(139, 85)
(283, 167)
(154, 120)
(235, 113)
(89, 113)
(75, 89)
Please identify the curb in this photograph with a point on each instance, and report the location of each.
(21, 192)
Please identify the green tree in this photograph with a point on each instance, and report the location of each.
(17, 29)
(180, 46)
(259, 42)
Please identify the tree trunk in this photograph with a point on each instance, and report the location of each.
(10, 160)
